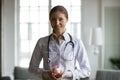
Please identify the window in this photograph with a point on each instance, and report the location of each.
(33, 23)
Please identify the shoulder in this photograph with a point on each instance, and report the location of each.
(43, 39)
(77, 41)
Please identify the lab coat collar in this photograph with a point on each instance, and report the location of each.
(65, 36)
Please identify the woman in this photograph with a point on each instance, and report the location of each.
(60, 52)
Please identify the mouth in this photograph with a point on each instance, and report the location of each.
(57, 27)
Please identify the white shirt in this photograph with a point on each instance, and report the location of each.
(63, 56)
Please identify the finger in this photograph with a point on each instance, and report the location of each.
(53, 77)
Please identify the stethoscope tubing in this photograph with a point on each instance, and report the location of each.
(71, 41)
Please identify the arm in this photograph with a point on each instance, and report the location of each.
(83, 61)
(35, 60)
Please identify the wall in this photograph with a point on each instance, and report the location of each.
(90, 10)
(8, 37)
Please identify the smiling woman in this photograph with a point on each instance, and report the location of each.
(60, 51)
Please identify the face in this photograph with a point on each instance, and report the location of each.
(58, 22)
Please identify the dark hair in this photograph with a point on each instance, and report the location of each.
(58, 8)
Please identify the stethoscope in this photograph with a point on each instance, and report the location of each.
(70, 42)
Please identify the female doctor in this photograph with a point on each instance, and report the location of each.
(60, 52)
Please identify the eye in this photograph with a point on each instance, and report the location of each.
(60, 19)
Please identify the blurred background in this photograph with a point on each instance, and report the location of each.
(23, 22)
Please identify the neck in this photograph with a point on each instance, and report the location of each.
(58, 33)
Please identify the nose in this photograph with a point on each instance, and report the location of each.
(57, 22)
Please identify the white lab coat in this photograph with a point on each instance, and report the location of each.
(65, 58)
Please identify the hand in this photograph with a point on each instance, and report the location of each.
(58, 76)
(48, 75)
(57, 73)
